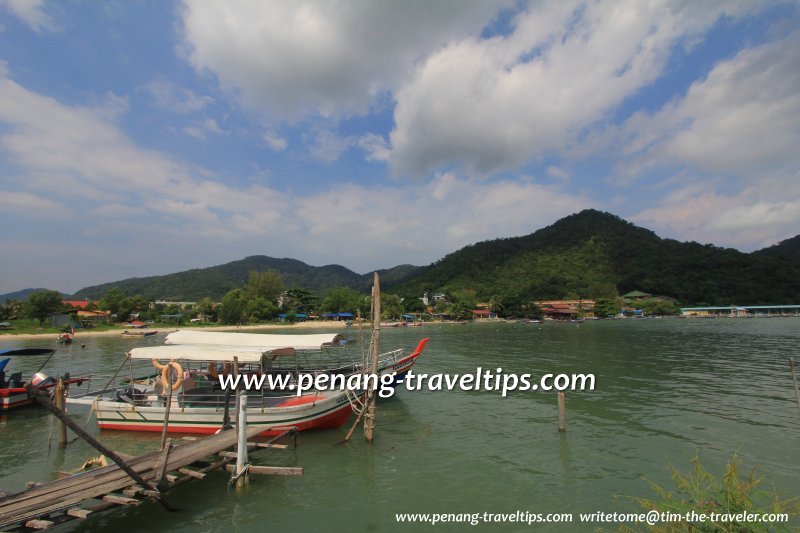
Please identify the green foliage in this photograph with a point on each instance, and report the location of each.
(299, 300)
(391, 306)
(659, 307)
(232, 308)
(258, 309)
(344, 300)
(590, 254)
(41, 304)
(702, 492)
(206, 309)
(604, 307)
(596, 255)
(267, 285)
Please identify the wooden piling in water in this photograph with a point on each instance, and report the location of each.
(369, 419)
(60, 400)
(562, 412)
(794, 379)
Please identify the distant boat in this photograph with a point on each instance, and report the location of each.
(66, 336)
(139, 333)
(13, 393)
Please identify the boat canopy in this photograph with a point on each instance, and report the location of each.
(27, 351)
(243, 354)
(264, 342)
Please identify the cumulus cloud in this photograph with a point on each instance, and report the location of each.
(77, 160)
(748, 219)
(32, 13)
(315, 57)
(488, 104)
(170, 97)
(743, 118)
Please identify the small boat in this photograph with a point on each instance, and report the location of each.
(13, 393)
(200, 405)
(139, 333)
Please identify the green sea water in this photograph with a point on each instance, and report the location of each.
(665, 391)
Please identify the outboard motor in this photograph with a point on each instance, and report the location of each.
(40, 379)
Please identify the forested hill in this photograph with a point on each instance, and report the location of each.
(589, 254)
(216, 281)
(594, 254)
(790, 249)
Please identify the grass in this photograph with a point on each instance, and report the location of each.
(702, 492)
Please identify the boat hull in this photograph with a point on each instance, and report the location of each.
(303, 413)
(14, 398)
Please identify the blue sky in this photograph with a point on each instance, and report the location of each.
(149, 137)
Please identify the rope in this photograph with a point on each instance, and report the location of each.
(235, 477)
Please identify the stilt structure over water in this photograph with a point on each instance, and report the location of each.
(76, 496)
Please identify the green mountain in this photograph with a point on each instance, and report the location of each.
(18, 295)
(790, 248)
(588, 254)
(216, 281)
(595, 254)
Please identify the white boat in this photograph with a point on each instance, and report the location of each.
(199, 404)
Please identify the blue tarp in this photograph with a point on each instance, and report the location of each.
(408, 316)
(346, 315)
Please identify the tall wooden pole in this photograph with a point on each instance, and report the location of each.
(168, 390)
(794, 379)
(241, 428)
(60, 401)
(369, 419)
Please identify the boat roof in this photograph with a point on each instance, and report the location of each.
(264, 342)
(27, 351)
(243, 354)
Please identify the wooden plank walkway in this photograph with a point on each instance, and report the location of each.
(30, 506)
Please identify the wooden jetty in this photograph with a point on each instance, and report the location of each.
(43, 505)
(47, 504)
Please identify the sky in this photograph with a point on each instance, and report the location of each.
(146, 137)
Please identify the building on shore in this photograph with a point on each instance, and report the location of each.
(738, 311)
(566, 309)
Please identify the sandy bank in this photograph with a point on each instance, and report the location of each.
(79, 334)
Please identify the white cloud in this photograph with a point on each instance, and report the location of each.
(742, 119)
(274, 141)
(749, 219)
(32, 13)
(315, 57)
(30, 205)
(200, 131)
(176, 99)
(498, 103)
(375, 147)
(328, 146)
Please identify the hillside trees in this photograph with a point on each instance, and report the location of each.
(41, 304)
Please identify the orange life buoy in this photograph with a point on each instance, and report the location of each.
(158, 365)
(165, 375)
(212, 370)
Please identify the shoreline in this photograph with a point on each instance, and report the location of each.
(328, 324)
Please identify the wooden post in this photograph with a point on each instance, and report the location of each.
(168, 385)
(369, 419)
(241, 428)
(562, 409)
(60, 400)
(45, 401)
(794, 378)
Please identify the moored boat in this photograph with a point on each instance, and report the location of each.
(139, 333)
(13, 393)
(202, 361)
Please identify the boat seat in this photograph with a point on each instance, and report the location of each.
(15, 380)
